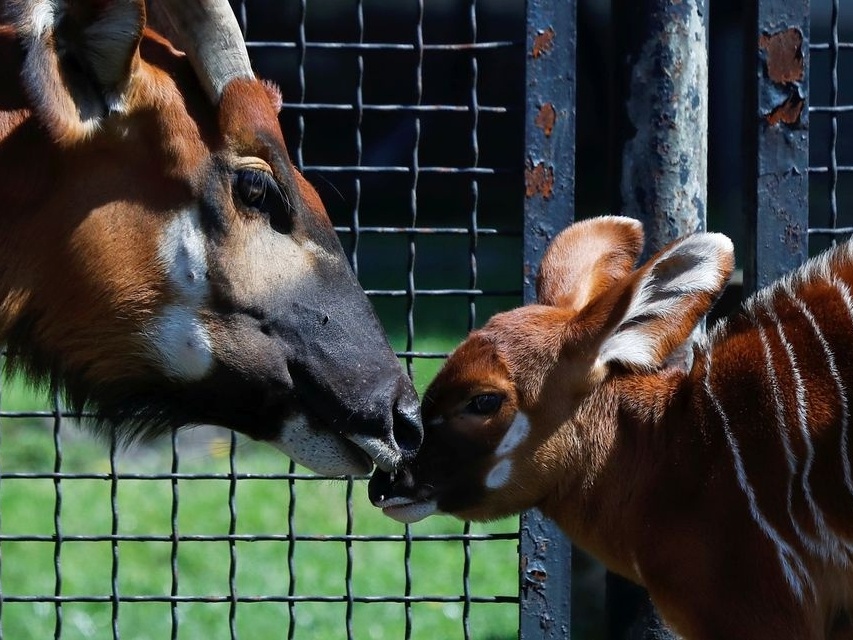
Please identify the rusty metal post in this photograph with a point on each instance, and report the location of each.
(660, 152)
(662, 145)
(777, 127)
(545, 553)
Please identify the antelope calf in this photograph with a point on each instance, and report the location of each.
(726, 489)
(162, 262)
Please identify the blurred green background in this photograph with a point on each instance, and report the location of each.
(144, 507)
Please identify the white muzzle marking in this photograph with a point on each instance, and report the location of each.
(322, 452)
(407, 510)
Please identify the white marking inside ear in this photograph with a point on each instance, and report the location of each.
(42, 17)
(694, 265)
(499, 475)
(515, 435)
(706, 248)
(181, 341)
(630, 345)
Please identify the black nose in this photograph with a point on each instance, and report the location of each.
(379, 486)
(384, 485)
(408, 429)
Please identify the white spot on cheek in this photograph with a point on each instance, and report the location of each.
(183, 254)
(181, 341)
(515, 435)
(499, 475)
(183, 344)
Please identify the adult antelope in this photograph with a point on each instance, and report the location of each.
(161, 260)
(725, 490)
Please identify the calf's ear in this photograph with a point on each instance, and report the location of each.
(652, 313)
(586, 259)
(79, 59)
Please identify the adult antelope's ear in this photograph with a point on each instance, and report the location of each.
(586, 259)
(650, 314)
(79, 59)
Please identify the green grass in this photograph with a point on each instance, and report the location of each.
(144, 507)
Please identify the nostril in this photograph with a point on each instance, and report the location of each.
(379, 486)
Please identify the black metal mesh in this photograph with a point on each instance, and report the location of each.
(408, 117)
(831, 123)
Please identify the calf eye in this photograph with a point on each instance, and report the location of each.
(484, 404)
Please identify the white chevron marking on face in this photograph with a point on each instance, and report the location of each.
(515, 435)
(181, 342)
(499, 475)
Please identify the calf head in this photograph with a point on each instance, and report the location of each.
(524, 408)
(161, 260)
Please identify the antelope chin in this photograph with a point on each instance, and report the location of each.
(321, 451)
(407, 510)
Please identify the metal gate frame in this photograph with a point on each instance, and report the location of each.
(549, 178)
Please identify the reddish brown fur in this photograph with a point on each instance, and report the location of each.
(161, 260)
(642, 466)
(59, 208)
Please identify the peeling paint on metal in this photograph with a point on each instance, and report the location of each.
(782, 98)
(793, 239)
(788, 112)
(544, 42)
(546, 118)
(783, 55)
(664, 164)
(538, 180)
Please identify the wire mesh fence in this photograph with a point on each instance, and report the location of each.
(409, 118)
(831, 123)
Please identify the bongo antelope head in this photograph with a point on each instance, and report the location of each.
(524, 409)
(161, 260)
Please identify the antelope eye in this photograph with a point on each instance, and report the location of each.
(251, 187)
(258, 190)
(484, 404)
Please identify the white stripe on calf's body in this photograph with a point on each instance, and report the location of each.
(840, 549)
(783, 550)
(844, 292)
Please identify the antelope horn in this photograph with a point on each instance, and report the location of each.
(209, 34)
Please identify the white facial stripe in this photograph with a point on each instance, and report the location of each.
(181, 342)
(184, 255)
(515, 435)
(499, 475)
